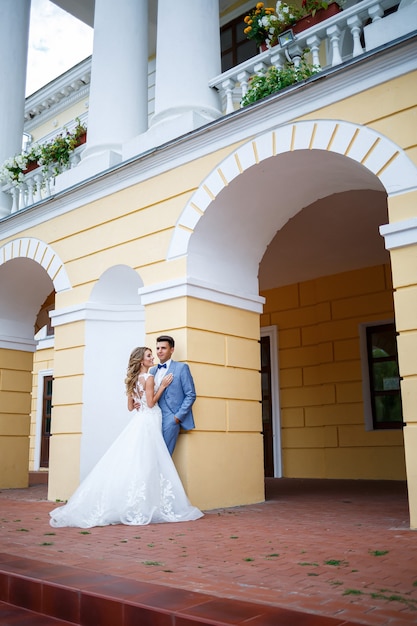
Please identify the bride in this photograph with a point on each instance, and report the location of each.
(135, 482)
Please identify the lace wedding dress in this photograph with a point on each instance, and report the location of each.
(135, 482)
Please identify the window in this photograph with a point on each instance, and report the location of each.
(384, 393)
(235, 46)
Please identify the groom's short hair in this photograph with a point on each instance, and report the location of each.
(166, 338)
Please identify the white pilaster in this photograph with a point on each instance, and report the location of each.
(187, 57)
(118, 104)
(14, 34)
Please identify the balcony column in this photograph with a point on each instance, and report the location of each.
(187, 57)
(14, 35)
(118, 105)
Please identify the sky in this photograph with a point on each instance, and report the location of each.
(57, 42)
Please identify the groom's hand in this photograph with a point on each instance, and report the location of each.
(177, 421)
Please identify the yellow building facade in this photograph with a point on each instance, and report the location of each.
(282, 220)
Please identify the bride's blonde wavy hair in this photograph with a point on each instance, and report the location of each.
(135, 361)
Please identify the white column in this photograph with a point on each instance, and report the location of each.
(187, 57)
(14, 34)
(118, 104)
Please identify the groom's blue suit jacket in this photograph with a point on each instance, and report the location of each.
(179, 396)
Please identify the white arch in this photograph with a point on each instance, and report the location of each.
(40, 252)
(370, 149)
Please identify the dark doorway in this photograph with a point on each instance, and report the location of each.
(267, 406)
(46, 420)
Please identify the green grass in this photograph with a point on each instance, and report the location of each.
(151, 563)
(248, 558)
(353, 592)
(383, 594)
(306, 563)
(378, 552)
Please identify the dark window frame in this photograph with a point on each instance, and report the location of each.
(384, 398)
(239, 48)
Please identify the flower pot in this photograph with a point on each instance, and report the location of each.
(82, 139)
(32, 165)
(311, 20)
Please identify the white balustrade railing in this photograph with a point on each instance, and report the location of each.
(38, 184)
(329, 43)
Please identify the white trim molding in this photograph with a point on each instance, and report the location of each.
(17, 343)
(399, 234)
(41, 253)
(97, 312)
(192, 288)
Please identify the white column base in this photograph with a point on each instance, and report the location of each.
(167, 129)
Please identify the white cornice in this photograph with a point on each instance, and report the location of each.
(17, 343)
(399, 234)
(58, 95)
(193, 288)
(97, 312)
(320, 91)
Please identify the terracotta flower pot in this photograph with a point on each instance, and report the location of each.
(82, 139)
(311, 20)
(32, 165)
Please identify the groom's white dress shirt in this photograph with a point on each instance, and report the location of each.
(161, 372)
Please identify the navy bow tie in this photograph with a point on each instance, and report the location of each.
(164, 365)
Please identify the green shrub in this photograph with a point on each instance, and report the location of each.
(274, 79)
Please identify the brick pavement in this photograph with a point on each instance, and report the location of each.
(333, 548)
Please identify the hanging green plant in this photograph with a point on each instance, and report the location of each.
(274, 79)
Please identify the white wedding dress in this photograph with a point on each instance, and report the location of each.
(135, 482)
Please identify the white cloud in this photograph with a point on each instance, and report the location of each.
(57, 42)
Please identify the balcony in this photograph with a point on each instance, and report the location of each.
(356, 33)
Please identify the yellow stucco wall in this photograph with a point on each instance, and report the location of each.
(322, 416)
(15, 386)
(66, 419)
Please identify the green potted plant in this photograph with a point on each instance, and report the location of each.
(55, 154)
(274, 79)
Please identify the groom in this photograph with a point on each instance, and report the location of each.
(177, 399)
